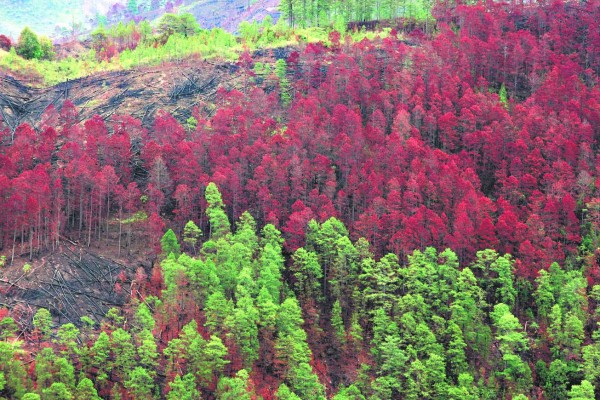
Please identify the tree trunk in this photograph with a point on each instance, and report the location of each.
(120, 228)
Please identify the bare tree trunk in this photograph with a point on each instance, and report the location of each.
(120, 228)
(69, 221)
(80, 211)
(12, 257)
(99, 224)
(129, 240)
(90, 220)
(108, 217)
(30, 243)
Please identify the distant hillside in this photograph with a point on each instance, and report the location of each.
(57, 18)
(48, 17)
(228, 14)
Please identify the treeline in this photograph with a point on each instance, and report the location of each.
(228, 315)
(109, 42)
(29, 46)
(305, 13)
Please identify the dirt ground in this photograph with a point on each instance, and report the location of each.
(175, 88)
(71, 282)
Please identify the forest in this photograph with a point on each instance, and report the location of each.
(411, 215)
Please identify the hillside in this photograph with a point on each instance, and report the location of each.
(48, 17)
(175, 88)
(59, 18)
(228, 14)
(406, 213)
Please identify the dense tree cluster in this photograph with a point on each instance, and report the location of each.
(109, 42)
(303, 13)
(372, 159)
(32, 46)
(230, 316)
(410, 146)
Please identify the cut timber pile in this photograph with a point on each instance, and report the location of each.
(70, 283)
(175, 88)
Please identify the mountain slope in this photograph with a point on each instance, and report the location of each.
(47, 16)
(57, 18)
(228, 14)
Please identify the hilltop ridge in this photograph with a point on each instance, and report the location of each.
(61, 19)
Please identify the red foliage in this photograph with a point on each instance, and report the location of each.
(409, 146)
(5, 43)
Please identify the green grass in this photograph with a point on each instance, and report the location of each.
(214, 43)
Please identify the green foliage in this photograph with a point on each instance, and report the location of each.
(47, 48)
(292, 349)
(544, 294)
(503, 96)
(267, 309)
(42, 321)
(427, 326)
(584, 391)
(337, 322)
(457, 359)
(557, 380)
(497, 277)
(26, 269)
(321, 12)
(183, 389)
(284, 393)
(29, 45)
(43, 367)
(123, 351)
(246, 234)
(170, 244)
(509, 331)
(284, 84)
(172, 270)
(512, 341)
(219, 223)
(307, 273)
(205, 359)
(217, 309)
(143, 318)
(244, 329)
(140, 383)
(113, 317)
(465, 390)
(191, 234)
(86, 390)
(349, 393)
(101, 351)
(192, 124)
(67, 337)
(591, 360)
(13, 371)
(184, 24)
(235, 388)
(271, 265)
(8, 328)
(136, 217)
(57, 391)
(147, 351)
(249, 31)
(380, 281)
